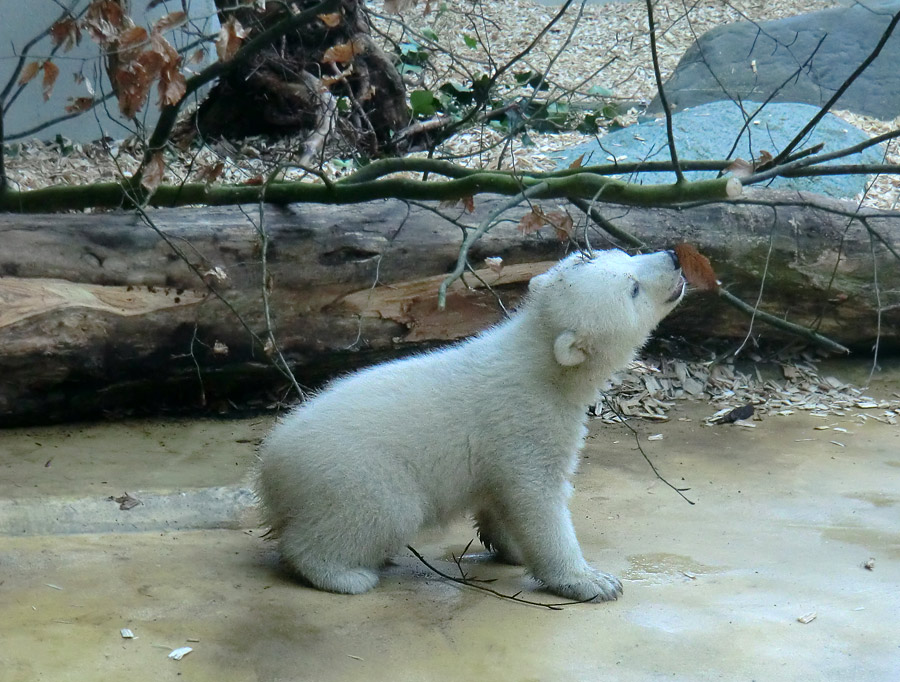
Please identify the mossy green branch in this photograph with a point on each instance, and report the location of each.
(581, 185)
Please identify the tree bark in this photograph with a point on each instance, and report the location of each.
(289, 87)
(98, 313)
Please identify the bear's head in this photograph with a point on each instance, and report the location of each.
(603, 307)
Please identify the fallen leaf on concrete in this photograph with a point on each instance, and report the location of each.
(126, 502)
(808, 618)
(870, 564)
(180, 652)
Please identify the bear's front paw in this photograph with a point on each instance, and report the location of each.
(593, 585)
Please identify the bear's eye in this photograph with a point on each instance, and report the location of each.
(635, 290)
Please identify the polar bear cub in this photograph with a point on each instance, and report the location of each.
(490, 426)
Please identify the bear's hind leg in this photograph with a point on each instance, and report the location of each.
(325, 572)
(495, 537)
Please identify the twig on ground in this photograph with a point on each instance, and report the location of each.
(637, 440)
(468, 582)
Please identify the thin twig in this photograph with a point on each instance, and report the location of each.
(477, 233)
(469, 583)
(670, 133)
(637, 440)
(838, 93)
(796, 329)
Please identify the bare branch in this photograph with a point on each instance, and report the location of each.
(839, 92)
(679, 176)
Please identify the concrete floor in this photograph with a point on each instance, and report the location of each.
(783, 524)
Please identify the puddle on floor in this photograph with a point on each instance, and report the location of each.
(876, 543)
(875, 499)
(661, 567)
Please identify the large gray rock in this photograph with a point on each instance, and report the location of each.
(708, 132)
(720, 64)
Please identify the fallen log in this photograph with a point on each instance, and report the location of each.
(100, 312)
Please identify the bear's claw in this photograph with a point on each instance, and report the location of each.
(597, 586)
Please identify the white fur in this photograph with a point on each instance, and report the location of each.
(491, 426)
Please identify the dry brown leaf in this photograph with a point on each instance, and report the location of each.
(51, 71)
(696, 268)
(468, 203)
(29, 72)
(104, 19)
(169, 22)
(562, 223)
(231, 35)
(153, 172)
(764, 158)
(343, 52)
(577, 162)
(532, 221)
(198, 56)
(211, 172)
(172, 87)
(66, 32)
(79, 104)
(332, 20)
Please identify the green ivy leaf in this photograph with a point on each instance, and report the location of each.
(423, 102)
(470, 41)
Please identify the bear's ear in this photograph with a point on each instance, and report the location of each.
(567, 349)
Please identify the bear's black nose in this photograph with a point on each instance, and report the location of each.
(674, 257)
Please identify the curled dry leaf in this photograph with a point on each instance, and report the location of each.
(131, 41)
(29, 72)
(696, 268)
(66, 33)
(332, 20)
(343, 52)
(51, 71)
(78, 104)
(532, 221)
(170, 21)
(211, 172)
(495, 263)
(562, 223)
(231, 35)
(577, 162)
(468, 203)
(153, 172)
(104, 19)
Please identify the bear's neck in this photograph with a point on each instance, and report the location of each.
(525, 341)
